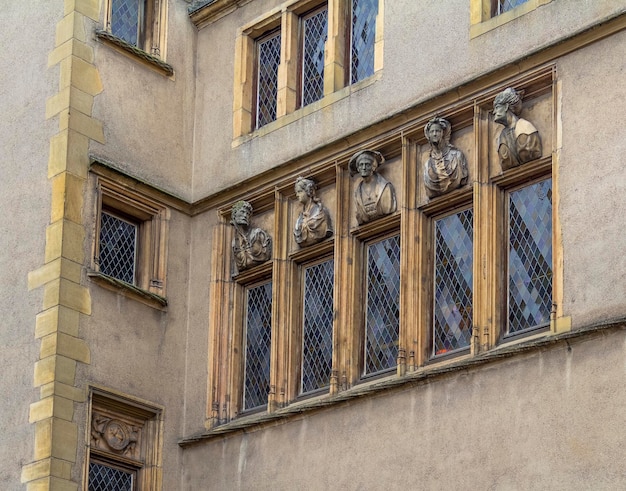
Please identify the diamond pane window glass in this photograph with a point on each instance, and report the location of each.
(317, 345)
(258, 345)
(125, 20)
(105, 478)
(118, 247)
(268, 56)
(363, 35)
(383, 305)
(452, 328)
(315, 27)
(530, 256)
(502, 6)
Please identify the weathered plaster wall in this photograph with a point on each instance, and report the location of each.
(147, 116)
(552, 419)
(426, 51)
(25, 84)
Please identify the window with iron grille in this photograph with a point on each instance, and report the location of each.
(137, 23)
(130, 242)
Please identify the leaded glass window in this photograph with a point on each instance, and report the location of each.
(501, 6)
(126, 19)
(530, 256)
(268, 60)
(106, 478)
(315, 27)
(383, 305)
(453, 294)
(118, 247)
(317, 336)
(258, 345)
(363, 34)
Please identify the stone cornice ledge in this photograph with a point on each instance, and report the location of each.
(258, 420)
(205, 12)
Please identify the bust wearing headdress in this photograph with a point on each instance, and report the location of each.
(519, 141)
(374, 195)
(313, 223)
(251, 245)
(446, 167)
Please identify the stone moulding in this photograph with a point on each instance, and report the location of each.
(205, 12)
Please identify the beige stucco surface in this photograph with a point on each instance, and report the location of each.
(25, 84)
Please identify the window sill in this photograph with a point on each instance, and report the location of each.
(131, 291)
(135, 53)
(368, 388)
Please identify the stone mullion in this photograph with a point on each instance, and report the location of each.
(218, 325)
(379, 44)
(409, 265)
(336, 56)
(281, 310)
(244, 85)
(288, 70)
(488, 242)
(57, 324)
(347, 324)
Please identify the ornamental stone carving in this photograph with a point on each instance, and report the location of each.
(446, 167)
(251, 245)
(115, 436)
(313, 223)
(519, 142)
(374, 196)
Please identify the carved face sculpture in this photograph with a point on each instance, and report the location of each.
(500, 112)
(366, 165)
(435, 134)
(305, 190)
(241, 215)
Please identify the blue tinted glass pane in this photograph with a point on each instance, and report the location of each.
(383, 305)
(118, 245)
(315, 27)
(530, 256)
(125, 20)
(317, 342)
(258, 345)
(364, 14)
(453, 282)
(268, 57)
(105, 478)
(506, 5)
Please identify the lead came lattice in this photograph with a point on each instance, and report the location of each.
(530, 256)
(453, 282)
(258, 345)
(317, 346)
(364, 14)
(125, 20)
(383, 305)
(267, 79)
(118, 248)
(105, 478)
(315, 28)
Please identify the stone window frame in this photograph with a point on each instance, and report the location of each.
(152, 220)
(146, 464)
(470, 115)
(482, 20)
(286, 17)
(151, 48)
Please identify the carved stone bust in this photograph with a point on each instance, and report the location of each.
(446, 167)
(374, 196)
(251, 245)
(519, 142)
(313, 223)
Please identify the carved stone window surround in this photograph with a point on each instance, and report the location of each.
(482, 20)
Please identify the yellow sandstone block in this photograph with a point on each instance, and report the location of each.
(89, 8)
(57, 318)
(71, 26)
(85, 76)
(65, 239)
(62, 344)
(67, 293)
(63, 390)
(85, 125)
(69, 151)
(49, 407)
(52, 484)
(58, 103)
(55, 368)
(67, 197)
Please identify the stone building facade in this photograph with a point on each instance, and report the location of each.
(167, 327)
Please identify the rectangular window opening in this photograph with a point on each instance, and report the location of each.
(118, 247)
(268, 61)
(382, 320)
(314, 35)
(110, 478)
(453, 285)
(362, 39)
(317, 326)
(501, 6)
(258, 339)
(529, 275)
